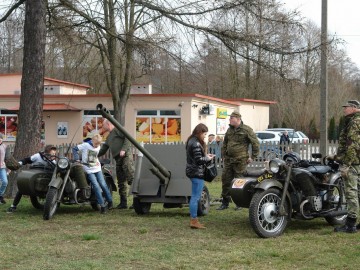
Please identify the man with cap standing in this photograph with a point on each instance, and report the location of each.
(348, 154)
(236, 155)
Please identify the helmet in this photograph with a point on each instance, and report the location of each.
(292, 158)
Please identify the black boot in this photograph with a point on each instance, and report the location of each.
(349, 227)
(224, 205)
(123, 202)
(2, 201)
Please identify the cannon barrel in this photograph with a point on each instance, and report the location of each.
(159, 168)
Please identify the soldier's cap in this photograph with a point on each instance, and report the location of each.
(235, 114)
(352, 103)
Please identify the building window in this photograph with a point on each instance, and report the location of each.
(158, 126)
(8, 126)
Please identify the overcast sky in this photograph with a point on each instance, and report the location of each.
(343, 20)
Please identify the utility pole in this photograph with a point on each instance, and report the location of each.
(324, 150)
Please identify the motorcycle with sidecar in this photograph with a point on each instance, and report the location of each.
(68, 185)
(65, 182)
(291, 188)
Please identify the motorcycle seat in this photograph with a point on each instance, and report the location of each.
(321, 169)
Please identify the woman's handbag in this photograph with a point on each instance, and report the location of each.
(210, 171)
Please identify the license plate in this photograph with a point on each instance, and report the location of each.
(264, 176)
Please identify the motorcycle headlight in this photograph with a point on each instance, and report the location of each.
(275, 165)
(63, 163)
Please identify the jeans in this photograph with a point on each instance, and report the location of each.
(99, 185)
(3, 181)
(196, 190)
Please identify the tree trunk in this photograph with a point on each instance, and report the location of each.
(32, 83)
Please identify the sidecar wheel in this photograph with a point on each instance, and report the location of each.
(37, 202)
(204, 202)
(141, 208)
(51, 203)
(337, 201)
(262, 213)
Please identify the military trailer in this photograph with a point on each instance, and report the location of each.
(159, 174)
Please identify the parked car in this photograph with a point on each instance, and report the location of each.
(269, 144)
(295, 136)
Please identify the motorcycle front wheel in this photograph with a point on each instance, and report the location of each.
(263, 213)
(51, 203)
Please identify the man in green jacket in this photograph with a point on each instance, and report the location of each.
(348, 154)
(236, 155)
(120, 149)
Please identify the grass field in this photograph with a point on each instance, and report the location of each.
(79, 238)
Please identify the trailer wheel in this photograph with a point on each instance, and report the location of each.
(204, 202)
(141, 208)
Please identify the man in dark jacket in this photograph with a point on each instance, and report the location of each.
(120, 149)
(236, 156)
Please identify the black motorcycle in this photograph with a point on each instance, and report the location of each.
(68, 185)
(291, 188)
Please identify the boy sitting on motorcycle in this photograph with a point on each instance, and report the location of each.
(41, 158)
(91, 164)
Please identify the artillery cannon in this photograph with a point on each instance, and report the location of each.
(155, 183)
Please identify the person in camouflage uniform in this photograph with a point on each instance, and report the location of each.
(235, 153)
(348, 154)
(120, 149)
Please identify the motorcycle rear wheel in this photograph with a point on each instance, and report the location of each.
(263, 211)
(94, 204)
(51, 203)
(338, 202)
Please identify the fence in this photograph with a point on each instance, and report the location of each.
(267, 151)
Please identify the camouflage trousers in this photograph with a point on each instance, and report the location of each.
(351, 181)
(124, 173)
(231, 170)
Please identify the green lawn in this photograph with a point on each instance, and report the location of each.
(79, 238)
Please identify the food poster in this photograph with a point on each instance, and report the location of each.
(173, 130)
(143, 129)
(93, 125)
(158, 129)
(8, 127)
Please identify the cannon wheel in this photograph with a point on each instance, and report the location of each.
(37, 202)
(338, 202)
(204, 202)
(94, 204)
(141, 208)
(51, 203)
(263, 213)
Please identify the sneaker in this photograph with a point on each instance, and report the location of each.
(2, 201)
(11, 209)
